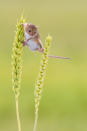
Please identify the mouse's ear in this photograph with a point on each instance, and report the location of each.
(25, 24)
(22, 24)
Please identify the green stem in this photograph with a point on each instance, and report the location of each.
(17, 65)
(35, 123)
(17, 114)
(40, 80)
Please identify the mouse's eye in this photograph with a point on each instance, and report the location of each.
(29, 31)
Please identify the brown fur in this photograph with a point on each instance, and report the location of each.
(34, 32)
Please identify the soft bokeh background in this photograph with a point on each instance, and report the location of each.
(63, 105)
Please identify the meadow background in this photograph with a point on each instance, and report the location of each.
(63, 105)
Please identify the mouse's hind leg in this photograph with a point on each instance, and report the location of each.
(41, 50)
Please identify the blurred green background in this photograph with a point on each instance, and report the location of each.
(63, 105)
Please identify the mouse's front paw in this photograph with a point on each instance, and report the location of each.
(24, 43)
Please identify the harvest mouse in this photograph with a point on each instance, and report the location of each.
(32, 37)
(33, 41)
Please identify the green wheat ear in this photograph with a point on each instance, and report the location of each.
(17, 64)
(40, 80)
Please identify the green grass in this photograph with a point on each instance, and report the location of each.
(63, 105)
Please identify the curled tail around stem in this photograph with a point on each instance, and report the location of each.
(59, 57)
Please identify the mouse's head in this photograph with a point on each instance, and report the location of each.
(30, 29)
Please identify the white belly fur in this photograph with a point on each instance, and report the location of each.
(33, 46)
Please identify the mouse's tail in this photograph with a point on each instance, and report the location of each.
(59, 57)
(41, 50)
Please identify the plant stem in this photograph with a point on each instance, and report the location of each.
(17, 52)
(40, 80)
(35, 123)
(17, 114)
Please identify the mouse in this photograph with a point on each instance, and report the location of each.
(33, 41)
(32, 37)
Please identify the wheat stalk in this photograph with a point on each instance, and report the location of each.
(17, 64)
(40, 80)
